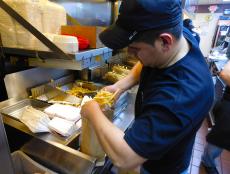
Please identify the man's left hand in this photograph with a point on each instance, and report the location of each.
(90, 109)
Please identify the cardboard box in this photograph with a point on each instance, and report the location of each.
(89, 32)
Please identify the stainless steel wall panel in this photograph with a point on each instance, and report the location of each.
(5, 157)
(59, 158)
(96, 13)
(18, 84)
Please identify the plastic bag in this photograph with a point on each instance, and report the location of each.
(37, 121)
(24, 164)
(67, 112)
(62, 126)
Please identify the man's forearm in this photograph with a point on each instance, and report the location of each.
(112, 140)
(131, 79)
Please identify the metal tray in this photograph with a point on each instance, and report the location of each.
(122, 100)
(39, 91)
(15, 111)
(44, 93)
(84, 84)
(118, 107)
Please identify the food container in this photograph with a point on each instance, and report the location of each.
(68, 44)
(24, 8)
(7, 30)
(49, 24)
(89, 32)
(38, 45)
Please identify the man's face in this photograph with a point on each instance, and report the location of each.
(149, 55)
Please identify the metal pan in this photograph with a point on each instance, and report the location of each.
(15, 111)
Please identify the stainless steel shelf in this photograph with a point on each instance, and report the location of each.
(105, 52)
(60, 64)
(78, 61)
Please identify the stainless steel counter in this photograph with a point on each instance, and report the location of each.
(125, 118)
(9, 102)
(59, 158)
(122, 121)
(48, 137)
(52, 150)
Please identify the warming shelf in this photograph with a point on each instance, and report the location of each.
(77, 61)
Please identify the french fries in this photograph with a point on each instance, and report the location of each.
(121, 69)
(113, 76)
(79, 91)
(105, 98)
(118, 72)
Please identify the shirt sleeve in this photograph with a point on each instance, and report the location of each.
(156, 131)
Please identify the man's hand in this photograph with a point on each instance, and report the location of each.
(113, 88)
(89, 109)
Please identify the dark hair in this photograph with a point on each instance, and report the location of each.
(188, 24)
(150, 36)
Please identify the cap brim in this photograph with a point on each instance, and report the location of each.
(115, 37)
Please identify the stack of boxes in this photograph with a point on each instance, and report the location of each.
(39, 13)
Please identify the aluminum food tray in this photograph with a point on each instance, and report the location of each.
(15, 111)
(64, 84)
(68, 82)
(90, 85)
(38, 91)
(118, 107)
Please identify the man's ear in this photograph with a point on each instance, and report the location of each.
(166, 41)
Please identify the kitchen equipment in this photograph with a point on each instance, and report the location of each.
(69, 44)
(15, 111)
(54, 95)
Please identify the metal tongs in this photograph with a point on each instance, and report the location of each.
(55, 95)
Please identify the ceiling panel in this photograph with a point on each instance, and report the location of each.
(203, 2)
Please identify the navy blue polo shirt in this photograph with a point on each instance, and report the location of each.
(171, 104)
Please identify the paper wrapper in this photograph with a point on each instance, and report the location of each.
(89, 143)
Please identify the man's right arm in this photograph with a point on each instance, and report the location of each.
(225, 74)
(130, 80)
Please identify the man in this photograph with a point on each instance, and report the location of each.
(189, 25)
(175, 89)
(219, 137)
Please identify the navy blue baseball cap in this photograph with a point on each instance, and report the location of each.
(136, 16)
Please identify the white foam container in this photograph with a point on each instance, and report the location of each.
(7, 30)
(38, 45)
(40, 14)
(69, 44)
(50, 11)
(31, 10)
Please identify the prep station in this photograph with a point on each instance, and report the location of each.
(56, 68)
(58, 153)
(51, 55)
